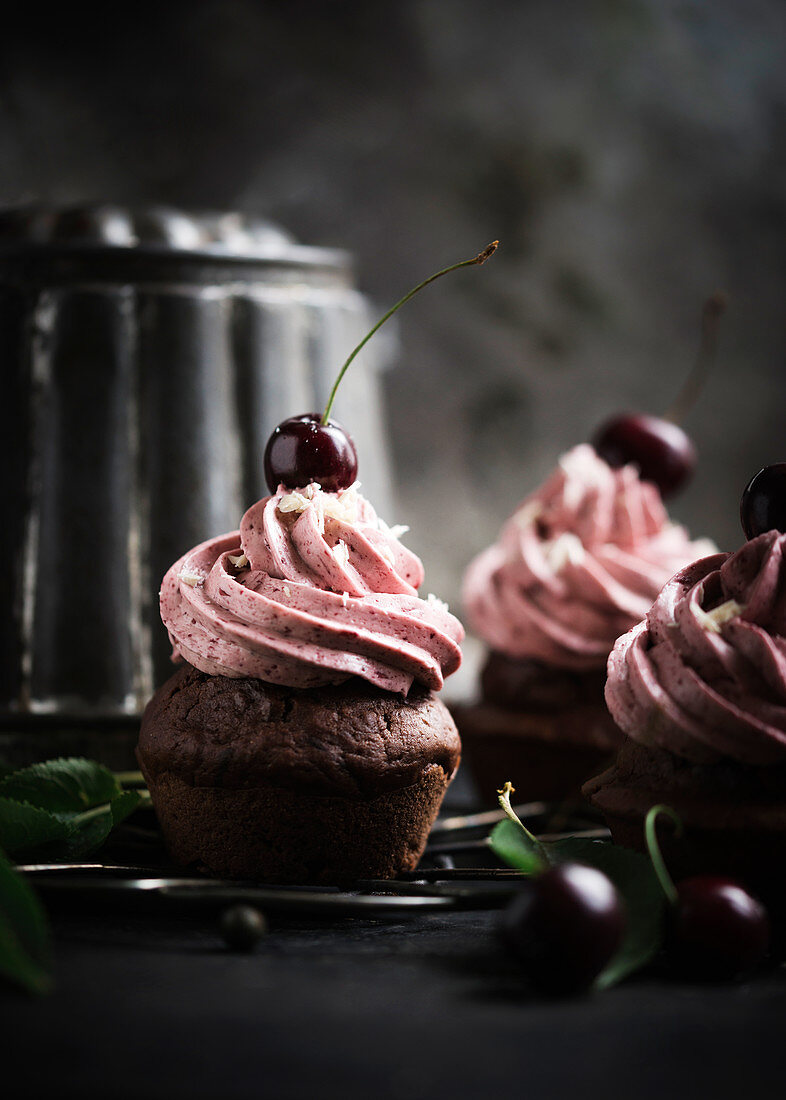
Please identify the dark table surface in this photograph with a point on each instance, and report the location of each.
(152, 1004)
(148, 1002)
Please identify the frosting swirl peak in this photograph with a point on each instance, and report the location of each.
(313, 588)
(704, 675)
(576, 565)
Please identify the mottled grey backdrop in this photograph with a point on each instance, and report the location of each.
(628, 153)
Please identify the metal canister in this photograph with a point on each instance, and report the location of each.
(146, 356)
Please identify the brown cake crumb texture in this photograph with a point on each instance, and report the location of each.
(734, 816)
(546, 730)
(517, 683)
(252, 780)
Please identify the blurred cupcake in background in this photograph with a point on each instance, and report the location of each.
(699, 688)
(577, 565)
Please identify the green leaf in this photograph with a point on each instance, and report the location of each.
(124, 804)
(58, 809)
(24, 827)
(66, 785)
(62, 809)
(515, 848)
(89, 831)
(633, 875)
(25, 949)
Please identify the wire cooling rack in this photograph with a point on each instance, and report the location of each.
(458, 871)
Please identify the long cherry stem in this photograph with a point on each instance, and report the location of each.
(481, 258)
(711, 313)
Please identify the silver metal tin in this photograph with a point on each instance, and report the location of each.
(146, 356)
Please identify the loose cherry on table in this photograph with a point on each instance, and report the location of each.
(716, 930)
(565, 928)
(763, 504)
(313, 448)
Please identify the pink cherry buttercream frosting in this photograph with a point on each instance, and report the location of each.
(577, 564)
(313, 589)
(704, 675)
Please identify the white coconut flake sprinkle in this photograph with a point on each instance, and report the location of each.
(341, 553)
(565, 548)
(189, 577)
(240, 561)
(714, 620)
(528, 513)
(342, 506)
(294, 502)
(434, 601)
(394, 532)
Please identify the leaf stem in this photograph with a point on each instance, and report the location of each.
(80, 819)
(711, 313)
(130, 779)
(658, 864)
(504, 800)
(481, 258)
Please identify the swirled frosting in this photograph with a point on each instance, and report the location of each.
(313, 588)
(576, 565)
(704, 675)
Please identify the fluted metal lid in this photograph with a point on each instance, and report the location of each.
(157, 232)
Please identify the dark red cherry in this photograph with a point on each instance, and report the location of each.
(565, 928)
(763, 504)
(716, 929)
(662, 451)
(302, 449)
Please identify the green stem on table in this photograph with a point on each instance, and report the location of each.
(481, 258)
(658, 864)
(504, 800)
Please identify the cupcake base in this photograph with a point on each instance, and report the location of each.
(545, 729)
(274, 835)
(734, 817)
(547, 757)
(257, 781)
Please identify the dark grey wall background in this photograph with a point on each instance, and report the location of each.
(629, 154)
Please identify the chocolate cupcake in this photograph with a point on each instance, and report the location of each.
(302, 741)
(699, 687)
(575, 566)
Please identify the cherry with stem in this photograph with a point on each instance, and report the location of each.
(715, 929)
(567, 925)
(313, 448)
(659, 446)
